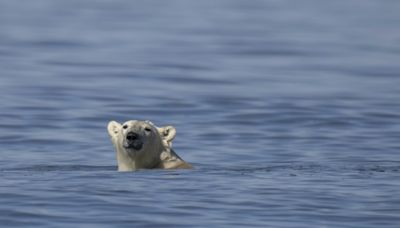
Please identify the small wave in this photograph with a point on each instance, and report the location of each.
(303, 167)
(50, 168)
(298, 167)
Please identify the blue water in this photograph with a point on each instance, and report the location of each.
(289, 111)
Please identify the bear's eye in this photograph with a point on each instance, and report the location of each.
(147, 129)
(125, 126)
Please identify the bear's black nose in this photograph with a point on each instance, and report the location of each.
(132, 136)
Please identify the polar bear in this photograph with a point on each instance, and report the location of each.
(142, 145)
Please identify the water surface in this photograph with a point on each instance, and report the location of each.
(288, 110)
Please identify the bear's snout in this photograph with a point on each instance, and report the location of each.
(132, 136)
(133, 141)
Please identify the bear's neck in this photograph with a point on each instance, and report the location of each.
(125, 162)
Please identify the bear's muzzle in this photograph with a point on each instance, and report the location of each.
(133, 141)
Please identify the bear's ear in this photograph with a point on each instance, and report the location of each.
(113, 128)
(167, 134)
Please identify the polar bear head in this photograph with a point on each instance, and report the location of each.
(140, 144)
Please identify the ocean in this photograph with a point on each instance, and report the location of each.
(288, 110)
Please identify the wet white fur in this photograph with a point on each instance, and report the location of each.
(157, 150)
